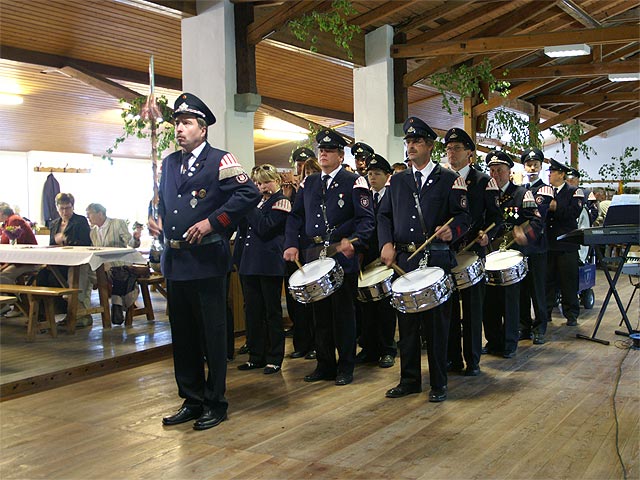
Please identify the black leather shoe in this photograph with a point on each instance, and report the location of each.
(311, 355)
(117, 317)
(525, 335)
(288, 332)
(297, 354)
(538, 339)
(509, 354)
(209, 419)
(185, 414)
(387, 361)
(402, 390)
(250, 366)
(243, 349)
(317, 376)
(344, 379)
(362, 357)
(572, 323)
(438, 394)
(488, 349)
(472, 371)
(271, 369)
(455, 367)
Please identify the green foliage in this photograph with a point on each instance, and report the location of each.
(333, 21)
(309, 143)
(466, 81)
(439, 152)
(523, 133)
(135, 126)
(624, 168)
(571, 133)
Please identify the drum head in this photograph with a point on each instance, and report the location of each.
(417, 280)
(311, 272)
(374, 275)
(465, 260)
(503, 260)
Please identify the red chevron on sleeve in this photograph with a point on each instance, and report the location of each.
(224, 219)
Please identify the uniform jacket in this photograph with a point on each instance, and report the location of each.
(373, 248)
(116, 235)
(518, 206)
(569, 206)
(349, 210)
(217, 189)
(26, 236)
(543, 194)
(76, 233)
(443, 195)
(484, 209)
(262, 237)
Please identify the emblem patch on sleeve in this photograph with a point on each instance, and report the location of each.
(242, 178)
(364, 200)
(463, 201)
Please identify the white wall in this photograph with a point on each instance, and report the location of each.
(124, 188)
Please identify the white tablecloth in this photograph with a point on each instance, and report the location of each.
(69, 256)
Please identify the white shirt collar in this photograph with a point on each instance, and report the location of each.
(379, 192)
(195, 153)
(426, 171)
(332, 175)
(464, 171)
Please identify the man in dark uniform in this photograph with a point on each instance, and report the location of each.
(379, 317)
(562, 258)
(482, 196)
(203, 193)
(418, 203)
(502, 303)
(533, 287)
(300, 314)
(332, 206)
(361, 152)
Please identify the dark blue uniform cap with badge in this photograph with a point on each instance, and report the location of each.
(532, 154)
(414, 127)
(302, 154)
(377, 162)
(189, 104)
(557, 166)
(573, 172)
(460, 136)
(361, 150)
(498, 157)
(328, 138)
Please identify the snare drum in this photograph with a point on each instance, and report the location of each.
(316, 280)
(505, 268)
(375, 284)
(421, 290)
(469, 271)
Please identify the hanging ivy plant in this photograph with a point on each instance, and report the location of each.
(309, 143)
(522, 132)
(624, 168)
(465, 81)
(439, 151)
(571, 133)
(136, 126)
(333, 21)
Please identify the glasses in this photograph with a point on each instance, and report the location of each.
(451, 148)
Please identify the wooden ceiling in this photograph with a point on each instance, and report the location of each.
(47, 47)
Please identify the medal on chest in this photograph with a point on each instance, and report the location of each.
(340, 200)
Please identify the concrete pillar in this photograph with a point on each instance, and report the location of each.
(209, 71)
(373, 97)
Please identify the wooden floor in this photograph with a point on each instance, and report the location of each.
(547, 413)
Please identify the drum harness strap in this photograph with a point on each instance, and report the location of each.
(424, 261)
(329, 230)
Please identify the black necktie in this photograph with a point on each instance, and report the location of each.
(418, 179)
(325, 183)
(376, 200)
(555, 192)
(185, 162)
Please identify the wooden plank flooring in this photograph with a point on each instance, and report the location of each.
(547, 413)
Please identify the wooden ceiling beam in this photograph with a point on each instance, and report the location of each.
(110, 71)
(517, 42)
(566, 115)
(601, 129)
(296, 120)
(101, 83)
(568, 70)
(578, 14)
(498, 100)
(432, 15)
(610, 115)
(186, 7)
(307, 109)
(262, 28)
(591, 99)
(380, 13)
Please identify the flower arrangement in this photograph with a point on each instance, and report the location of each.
(12, 232)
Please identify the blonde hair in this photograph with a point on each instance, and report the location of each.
(266, 173)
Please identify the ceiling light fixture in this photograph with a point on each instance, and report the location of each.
(624, 77)
(10, 99)
(567, 50)
(280, 134)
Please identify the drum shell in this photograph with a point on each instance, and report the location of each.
(466, 277)
(505, 276)
(423, 299)
(377, 291)
(319, 289)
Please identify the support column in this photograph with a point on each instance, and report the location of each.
(209, 71)
(373, 97)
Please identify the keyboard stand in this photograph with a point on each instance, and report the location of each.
(612, 291)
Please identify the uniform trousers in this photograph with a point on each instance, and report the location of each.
(336, 329)
(263, 311)
(533, 289)
(435, 332)
(378, 328)
(470, 320)
(562, 272)
(502, 317)
(197, 312)
(301, 316)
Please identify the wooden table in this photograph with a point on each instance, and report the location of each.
(74, 257)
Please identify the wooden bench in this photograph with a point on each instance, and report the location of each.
(156, 282)
(34, 295)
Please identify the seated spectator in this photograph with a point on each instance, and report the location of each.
(113, 232)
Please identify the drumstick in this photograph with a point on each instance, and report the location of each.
(333, 249)
(429, 240)
(523, 225)
(478, 237)
(298, 264)
(397, 269)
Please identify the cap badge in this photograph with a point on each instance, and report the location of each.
(411, 130)
(454, 135)
(326, 139)
(532, 153)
